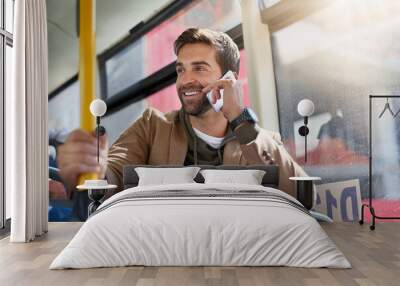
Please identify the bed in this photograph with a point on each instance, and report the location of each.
(201, 224)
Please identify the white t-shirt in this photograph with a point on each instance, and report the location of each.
(214, 142)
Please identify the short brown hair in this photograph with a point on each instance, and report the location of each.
(228, 56)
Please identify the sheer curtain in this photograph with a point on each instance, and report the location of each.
(26, 123)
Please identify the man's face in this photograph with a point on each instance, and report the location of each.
(196, 67)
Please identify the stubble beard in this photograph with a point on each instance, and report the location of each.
(194, 108)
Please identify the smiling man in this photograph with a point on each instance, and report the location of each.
(195, 134)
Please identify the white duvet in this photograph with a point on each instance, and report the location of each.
(183, 231)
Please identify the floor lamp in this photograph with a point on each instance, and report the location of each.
(304, 185)
(97, 188)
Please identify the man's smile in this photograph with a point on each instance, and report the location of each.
(192, 93)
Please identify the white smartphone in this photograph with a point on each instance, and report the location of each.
(220, 102)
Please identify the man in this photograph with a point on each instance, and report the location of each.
(196, 134)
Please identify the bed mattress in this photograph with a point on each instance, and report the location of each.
(201, 225)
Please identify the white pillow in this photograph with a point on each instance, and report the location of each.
(249, 177)
(163, 176)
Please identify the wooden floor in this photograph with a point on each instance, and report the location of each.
(374, 255)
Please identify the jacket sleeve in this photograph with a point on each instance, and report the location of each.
(267, 148)
(132, 147)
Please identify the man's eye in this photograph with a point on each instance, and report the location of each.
(199, 68)
(178, 71)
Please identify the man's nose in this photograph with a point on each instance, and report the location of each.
(187, 78)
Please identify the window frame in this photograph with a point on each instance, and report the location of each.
(6, 39)
(62, 87)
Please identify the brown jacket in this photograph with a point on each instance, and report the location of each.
(160, 139)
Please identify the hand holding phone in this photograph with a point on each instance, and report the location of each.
(220, 102)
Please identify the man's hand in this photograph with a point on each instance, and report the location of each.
(79, 155)
(233, 96)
